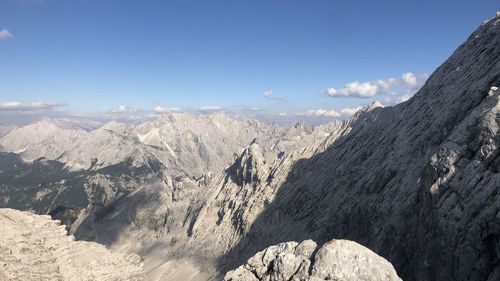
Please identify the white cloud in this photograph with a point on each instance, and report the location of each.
(408, 82)
(354, 89)
(322, 112)
(162, 109)
(210, 108)
(348, 111)
(33, 106)
(120, 109)
(409, 79)
(269, 94)
(11, 104)
(344, 112)
(5, 34)
(126, 109)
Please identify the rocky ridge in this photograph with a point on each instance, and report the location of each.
(34, 247)
(341, 260)
(184, 143)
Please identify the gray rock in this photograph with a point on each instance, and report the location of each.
(34, 247)
(340, 260)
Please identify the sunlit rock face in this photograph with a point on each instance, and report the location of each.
(341, 260)
(34, 247)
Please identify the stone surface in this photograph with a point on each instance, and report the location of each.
(34, 247)
(340, 260)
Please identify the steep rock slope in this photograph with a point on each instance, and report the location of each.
(340, 260)
(35, 247)
(72, 170)
(202, 143)
(417, 183)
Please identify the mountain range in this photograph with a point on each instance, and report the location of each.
(417, 183)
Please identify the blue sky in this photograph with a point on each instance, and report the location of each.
(279, 56)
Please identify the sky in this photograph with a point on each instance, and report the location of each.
(320, 58)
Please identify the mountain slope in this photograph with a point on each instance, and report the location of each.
(40, 139)
(417, 183)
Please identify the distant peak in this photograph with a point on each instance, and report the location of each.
(304, 126)
(371, 106)
(497, 16)
(376, 104)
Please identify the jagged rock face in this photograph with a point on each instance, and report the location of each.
(185, 143)
(34, 247)
(417, 182)
(249, 167)
(341, 260)
(198, 221)
(106, 163)
(202, 143)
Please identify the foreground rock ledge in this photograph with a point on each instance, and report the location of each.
(34, 247)
(339, 260)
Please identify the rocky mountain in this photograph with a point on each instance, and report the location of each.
(57, 167)
(198, 222)
(417, 183)
(41, 139)
(36, 247)
(189, 143)
(340, 260)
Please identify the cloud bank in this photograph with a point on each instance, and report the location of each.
(162, 109)
(34, 106)
(210, 108)
(321, 112)
(123, 109)
(407, 83)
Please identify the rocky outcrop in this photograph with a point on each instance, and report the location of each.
(340, 260)
(249, 167)
(34, 247)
